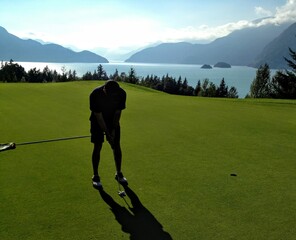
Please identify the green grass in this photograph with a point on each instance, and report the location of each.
(178, 154)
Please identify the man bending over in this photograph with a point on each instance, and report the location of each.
(106, 104)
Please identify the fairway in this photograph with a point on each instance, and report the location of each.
(178, 155)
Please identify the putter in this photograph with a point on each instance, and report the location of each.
(12, 145)
(121, 193)
(7, 146)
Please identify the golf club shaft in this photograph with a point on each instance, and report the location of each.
(52, 140)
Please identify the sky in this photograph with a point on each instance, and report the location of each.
(110, 27)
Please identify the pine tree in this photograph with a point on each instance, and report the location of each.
(197, 88)
(132, 76)
(222, 90)
(232, 93)
(260, 87)
(284, 82)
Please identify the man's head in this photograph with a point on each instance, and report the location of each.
(111, 87)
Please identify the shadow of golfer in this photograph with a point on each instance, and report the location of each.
(138, 222)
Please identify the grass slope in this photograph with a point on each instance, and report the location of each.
(178, 155)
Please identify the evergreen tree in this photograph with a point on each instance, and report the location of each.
(64, 76)
(232, 93)
(75, 75)
(95, 76)
(100, 72)
(184, 88)
(211, 91)
(261, 85)
(46, 74)
(123, 77)
(197, 88)
(284, 82)
(35, 76)
(70, 76)
(115, 76)
(222, 90)
(132, 76)
(292, 64)
(11, 72)
(169, 85)
(87, 76)
(179, 84)
(204, 87)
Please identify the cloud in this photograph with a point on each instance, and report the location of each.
(261, 12)
(286, 13)
(131, 32)
(283, 14)
(124, 33)
(202, 33)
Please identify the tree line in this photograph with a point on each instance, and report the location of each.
(281, 85)
(13, 72)
(179, 86)
(166, 83)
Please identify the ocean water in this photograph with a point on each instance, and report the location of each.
(239, 77)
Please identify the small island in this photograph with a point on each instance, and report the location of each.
(222, 65)
(206, 66)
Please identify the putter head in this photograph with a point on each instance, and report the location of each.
(121, 193)
(7, 146)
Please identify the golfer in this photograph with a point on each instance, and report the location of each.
(106, 104)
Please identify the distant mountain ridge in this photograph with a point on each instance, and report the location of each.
(273, 54)
(17, 49)
(239, 48)
(247, 47)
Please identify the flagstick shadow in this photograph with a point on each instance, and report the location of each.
(139, 221)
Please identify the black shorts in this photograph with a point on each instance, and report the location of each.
(97, 135)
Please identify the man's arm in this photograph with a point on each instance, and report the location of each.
(101, 122)
(116, 119)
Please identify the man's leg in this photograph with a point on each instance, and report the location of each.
(97, 138)
(118, 159)
(117, 156)
(96, 181)
(96, 157)
(117, 149)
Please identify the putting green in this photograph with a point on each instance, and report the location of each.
(178, 155)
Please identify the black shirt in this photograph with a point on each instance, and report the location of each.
(107, 104)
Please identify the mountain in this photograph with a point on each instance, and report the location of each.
(120, 54)
(274, 52)
(163, 53)
(12, 47)
(240, 47)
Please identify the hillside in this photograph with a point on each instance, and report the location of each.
(17, 49)
(240, 47)
(273, 54)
